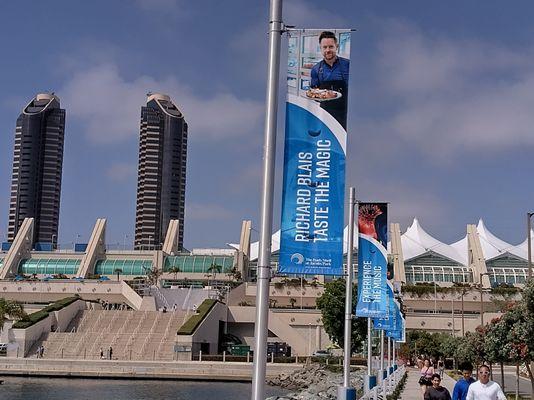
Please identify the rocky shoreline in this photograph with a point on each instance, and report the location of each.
(314, 382)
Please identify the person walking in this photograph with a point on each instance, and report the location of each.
(426, 375)
(484, 389)
(441, 367)
(460, 388)
(110, 353)
(436, 391)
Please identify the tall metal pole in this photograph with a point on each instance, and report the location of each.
(529, 244)
(348, 293)
(481, 303)
(264, 259)
(367, 385)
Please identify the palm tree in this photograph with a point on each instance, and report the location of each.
(175, 270)
(118, 271)
(10, 309)
(213, 270)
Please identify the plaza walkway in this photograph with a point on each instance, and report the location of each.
(412, 390)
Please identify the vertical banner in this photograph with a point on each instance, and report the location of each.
(372, 260)
(314, 154)
(388, 322)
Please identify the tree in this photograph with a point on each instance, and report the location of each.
(212, 271)
(152, 275)
(496, 343)
(10, 309)
(118, 271)
(332, 306)
(234, 273)
(175, 270)
(292, 301)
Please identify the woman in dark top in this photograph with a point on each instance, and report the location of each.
(436, 391)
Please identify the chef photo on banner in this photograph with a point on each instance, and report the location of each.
(332, 73)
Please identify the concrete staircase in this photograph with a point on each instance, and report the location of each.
(133, 335)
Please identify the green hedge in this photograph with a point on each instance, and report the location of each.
(37, 316)
(194, 321)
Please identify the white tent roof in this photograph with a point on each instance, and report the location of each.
(521, 250)
(416, 242)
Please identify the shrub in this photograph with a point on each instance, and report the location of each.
(37, 316)
(194, 321)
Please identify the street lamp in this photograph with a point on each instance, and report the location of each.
(53, 241)
(481, 301)
(529, 244)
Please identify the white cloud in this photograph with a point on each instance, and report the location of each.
(451, 96)
(108, 105)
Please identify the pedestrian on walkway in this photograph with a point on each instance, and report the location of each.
(484, 389)
(426, 375)
(110, 351)
(436, 391)
(461, 387)
(441, 367)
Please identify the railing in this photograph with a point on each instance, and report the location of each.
(387, 386)
(161, 297)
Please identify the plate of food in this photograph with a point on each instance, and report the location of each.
(322, 94)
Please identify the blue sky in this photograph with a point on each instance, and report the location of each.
(440, 125)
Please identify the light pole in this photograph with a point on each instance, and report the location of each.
(276, 27)
(124, 243)
(481, 299)
(529, 244)
(54, 241)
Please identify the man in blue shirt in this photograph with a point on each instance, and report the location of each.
(332, 73)
(461, 387)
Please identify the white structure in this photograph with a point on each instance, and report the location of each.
(427, 259)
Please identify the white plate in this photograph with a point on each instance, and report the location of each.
(338, 95)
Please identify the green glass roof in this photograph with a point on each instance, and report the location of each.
(128, 267)
(48, 266)
(198, 264)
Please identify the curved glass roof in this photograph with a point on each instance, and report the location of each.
(49, 266)
(128, 267)
(198, 264)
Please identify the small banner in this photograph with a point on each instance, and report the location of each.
(314, 153)
(372, 260)
(388, 322)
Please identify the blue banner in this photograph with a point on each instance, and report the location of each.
(388, 322)
(315, 149)
(372, 261)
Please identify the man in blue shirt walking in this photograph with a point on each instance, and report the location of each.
(461, 387)
(332, 73)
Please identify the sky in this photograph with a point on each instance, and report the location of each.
(440, 118)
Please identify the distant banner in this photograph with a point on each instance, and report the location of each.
(372, 260)
(315, 151)
(388, 322)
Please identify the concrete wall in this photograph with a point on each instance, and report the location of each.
(208, 330)
(23, 339)
(40, 291)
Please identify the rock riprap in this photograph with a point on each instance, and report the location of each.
(313, 382)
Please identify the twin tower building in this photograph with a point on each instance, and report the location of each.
(38, 165)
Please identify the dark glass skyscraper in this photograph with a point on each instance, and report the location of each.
(161, 172)
(37, 168)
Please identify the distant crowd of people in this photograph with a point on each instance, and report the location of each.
(466, 388)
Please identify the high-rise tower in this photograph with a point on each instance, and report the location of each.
(37, 168)
(161, 172)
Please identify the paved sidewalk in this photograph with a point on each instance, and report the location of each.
(412, 390)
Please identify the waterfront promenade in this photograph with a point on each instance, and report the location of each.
(185, 370)
(412, 390)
